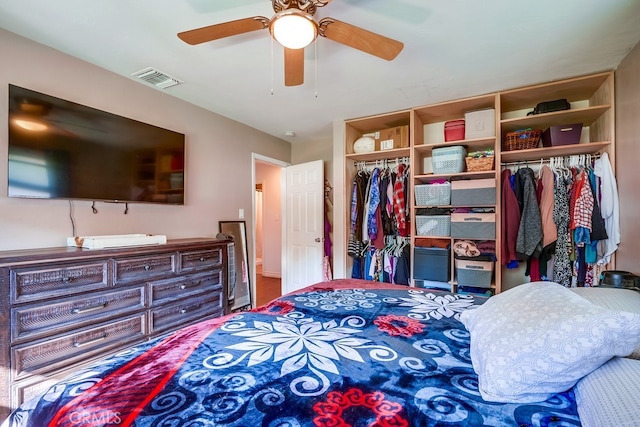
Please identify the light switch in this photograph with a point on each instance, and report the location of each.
(241, 213)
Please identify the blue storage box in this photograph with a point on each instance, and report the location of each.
(432, 264)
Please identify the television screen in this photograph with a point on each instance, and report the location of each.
(62, 150)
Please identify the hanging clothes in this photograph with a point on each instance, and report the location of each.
(549, 229)
(356, 245)
(530, 230)
(326, 259)
(562, 270)
(386, 202)
(547, 205)
(582, 212)
(610, 209)
(403, 268)
(510, 220)
(399, 201)
(379, 213)
(373, 205)
(598, 227)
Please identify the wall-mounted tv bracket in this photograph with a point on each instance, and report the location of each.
(95, 210)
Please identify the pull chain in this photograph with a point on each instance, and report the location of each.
(315, 67)
(271, 65)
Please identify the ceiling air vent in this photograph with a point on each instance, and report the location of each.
(156, 78)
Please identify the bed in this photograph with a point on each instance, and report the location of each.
(341, 353)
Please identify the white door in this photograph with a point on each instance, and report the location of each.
(304, 234)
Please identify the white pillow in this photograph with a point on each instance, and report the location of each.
(539, 339)
(613, 299)
(608, 396)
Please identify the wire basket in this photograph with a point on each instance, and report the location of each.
(433, 225)
(433, 194)
(479, 164)
(522, 140)
(448, 159)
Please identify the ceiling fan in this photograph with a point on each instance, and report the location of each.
(294, 27)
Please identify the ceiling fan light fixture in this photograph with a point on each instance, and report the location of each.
(293, 28)
(29, 124)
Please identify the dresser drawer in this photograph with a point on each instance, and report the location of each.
(185, 312)
(194, 260)
(27, 389)
(58, 352)
(34, 321)
(142, 268)
(51, 280)
(188, 285)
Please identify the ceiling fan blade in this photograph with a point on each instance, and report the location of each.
(359, 38)
(226, 29)
(293, 67)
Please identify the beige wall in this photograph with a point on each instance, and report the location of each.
(270, 176)
(302, 152)
(628, 159)
(218, 158)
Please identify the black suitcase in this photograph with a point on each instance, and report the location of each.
(550, 106)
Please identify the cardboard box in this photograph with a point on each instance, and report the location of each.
(391, 138)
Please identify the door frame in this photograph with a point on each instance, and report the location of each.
(255, 157)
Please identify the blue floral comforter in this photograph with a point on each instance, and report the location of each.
(342, 353)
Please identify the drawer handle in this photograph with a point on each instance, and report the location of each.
(67, 279)
(147, 267)
(93, 341)
(88, 309)
(183, 310)
(193, 285)
(202, 259)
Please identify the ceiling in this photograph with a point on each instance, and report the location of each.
(453, 49)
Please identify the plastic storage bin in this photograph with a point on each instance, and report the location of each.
(473, 192)
(448, 159)
(562, 135)
(433, 194)
(473, 225)
(433, 225)
(454, 130)
(431, 264)
(474, 273)
(431, 284)
(480, 124)
(473, 290)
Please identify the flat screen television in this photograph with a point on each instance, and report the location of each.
(59, 149)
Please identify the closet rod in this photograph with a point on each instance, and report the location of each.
(547, 160)
(383, 162)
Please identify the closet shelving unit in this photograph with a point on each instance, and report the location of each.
(592, 103)
(355, 128)
(427, 130)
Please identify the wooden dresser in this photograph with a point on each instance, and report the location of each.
(61, 308)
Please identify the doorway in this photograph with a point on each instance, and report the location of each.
(267, 228)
